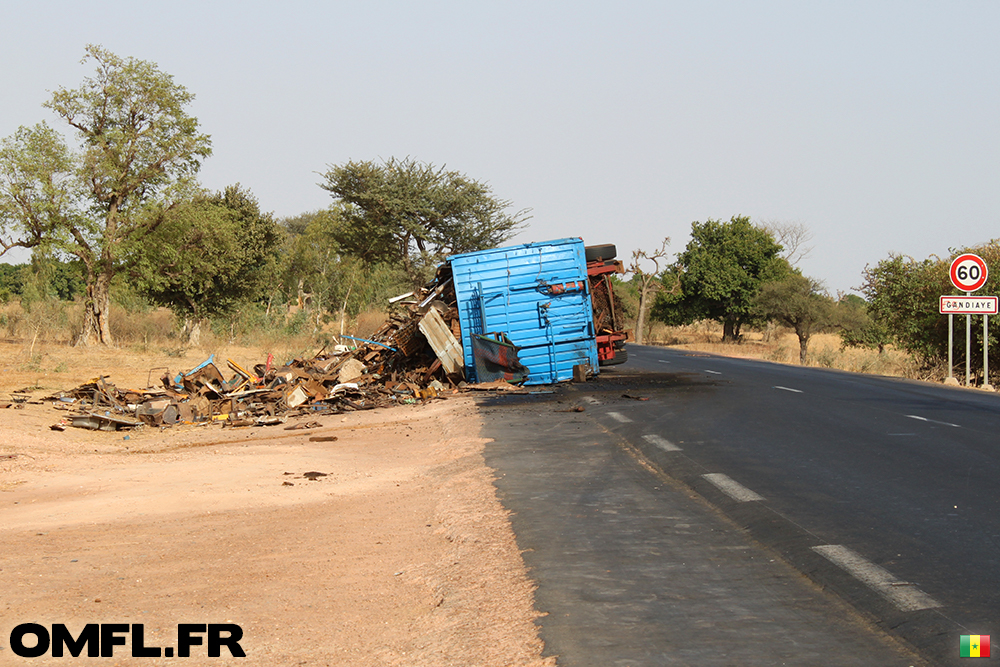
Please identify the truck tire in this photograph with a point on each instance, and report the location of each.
(596, 252)
(621, 356)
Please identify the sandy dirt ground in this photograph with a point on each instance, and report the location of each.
(398, 554)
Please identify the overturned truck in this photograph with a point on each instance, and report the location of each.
(531, 313)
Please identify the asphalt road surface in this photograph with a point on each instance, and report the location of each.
(670, 521)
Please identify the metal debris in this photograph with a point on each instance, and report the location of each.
(416, 355)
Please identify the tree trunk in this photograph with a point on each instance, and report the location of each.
(191, 331)
(640, 320)
(97, 312)
(803, 348)
(730, 330)
(343, 308)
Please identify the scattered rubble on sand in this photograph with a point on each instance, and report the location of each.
(414, 356)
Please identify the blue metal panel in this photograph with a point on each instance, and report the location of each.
(536, 293)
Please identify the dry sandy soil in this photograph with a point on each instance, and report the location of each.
(400, 555)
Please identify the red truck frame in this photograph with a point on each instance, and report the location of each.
(609, 329)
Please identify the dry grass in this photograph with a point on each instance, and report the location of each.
(782, 346)
(54, 366)
(36, 349)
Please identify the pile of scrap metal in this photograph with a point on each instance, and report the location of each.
(415, 355)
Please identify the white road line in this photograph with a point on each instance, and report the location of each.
(732, 488)
(904, 595)
(713, 372)
(932, 421)
(617, 416)
(663, 361)
(591, 400)
(797, 391)
(662, 443)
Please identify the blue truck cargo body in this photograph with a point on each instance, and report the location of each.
(535, 293)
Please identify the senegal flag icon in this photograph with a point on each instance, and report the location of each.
(975, 646)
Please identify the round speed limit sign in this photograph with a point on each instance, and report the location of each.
(969, 272)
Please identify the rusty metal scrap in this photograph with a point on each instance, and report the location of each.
(397, 364)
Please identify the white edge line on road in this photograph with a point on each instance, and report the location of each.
(713, 372)
(617, 416)
(732, 488)
(663, 361)
(932, 421)
(662, 443)
(797, 391)
(904, 595)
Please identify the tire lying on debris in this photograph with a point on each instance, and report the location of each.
(604, 252)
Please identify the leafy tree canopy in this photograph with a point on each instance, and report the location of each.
(719, 274)
(137, 149)
(857, 327)
(415, 214)
(902, 296)
(208, 255)
(798, 302)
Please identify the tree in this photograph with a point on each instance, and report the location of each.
(719, 274)
(798, 302)
(415, 214)
(902, 296)
(648, 283)
(314, 264)
(207, 256)
(857, 327)
(327, 279)
(792, 237)
(138, 150)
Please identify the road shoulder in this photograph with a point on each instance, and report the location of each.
(634, 569)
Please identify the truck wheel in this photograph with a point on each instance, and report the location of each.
(596, 252)
(621, 356)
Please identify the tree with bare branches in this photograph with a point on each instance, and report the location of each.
(648, 282)
(791, 236)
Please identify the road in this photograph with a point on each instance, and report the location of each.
(882, 491)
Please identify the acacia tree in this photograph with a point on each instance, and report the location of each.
(719, 274)
(798, 302)
(414, 214)
(792, 237)
(138, 148)
(648, 283)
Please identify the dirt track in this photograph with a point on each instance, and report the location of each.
(399, 555)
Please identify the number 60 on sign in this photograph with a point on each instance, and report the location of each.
(969, 272)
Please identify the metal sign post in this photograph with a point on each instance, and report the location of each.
(968, 273)
(968, 348)
(969, 306)
(951, 346)
(986, 352)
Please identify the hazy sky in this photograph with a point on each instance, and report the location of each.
(872, 123)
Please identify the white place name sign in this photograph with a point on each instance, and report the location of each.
(968, 305)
